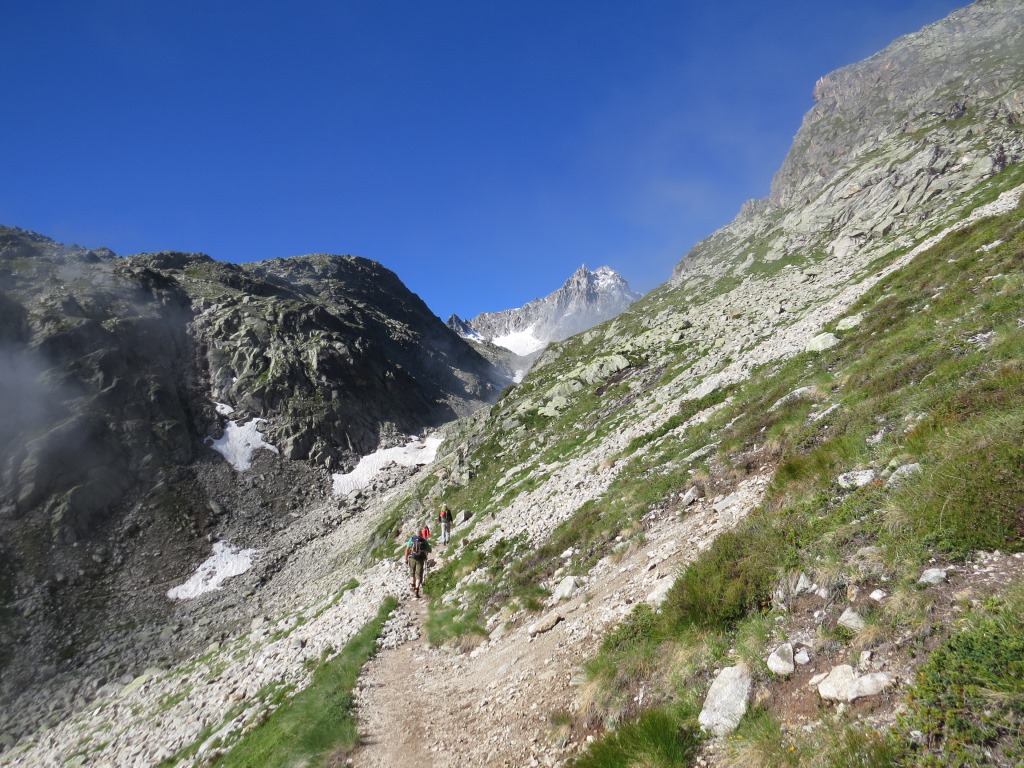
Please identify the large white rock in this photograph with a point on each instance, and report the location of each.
(691, 496)
(902, 473)
(546, 624)
(781, 660)
(851, 620)
(856, 479)
(659, 593)
(932, 576)
(843, 684)
(821, 342)
(850, 322)
(726, 702)
(565, 589)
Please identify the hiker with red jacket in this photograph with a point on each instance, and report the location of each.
(445, 516)
(416, 550)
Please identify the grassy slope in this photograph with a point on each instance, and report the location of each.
(933, 375)
(314, 726)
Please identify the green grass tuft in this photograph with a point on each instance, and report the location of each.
(659, 738)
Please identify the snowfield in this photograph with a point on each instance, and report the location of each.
(240, 442)
(414, 453)
(520, 342)
(225, 562)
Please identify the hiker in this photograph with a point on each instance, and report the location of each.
(425, 532)
(445, 516)
(416, 550)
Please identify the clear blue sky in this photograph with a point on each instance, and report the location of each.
(482, 150)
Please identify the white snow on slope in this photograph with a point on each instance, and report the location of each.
(414, 453)
(225, 562)
(239, 442)
(520, 342)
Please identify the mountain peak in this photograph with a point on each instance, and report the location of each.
(587, 298)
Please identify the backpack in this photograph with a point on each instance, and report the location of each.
(418, 548)
(445, 515)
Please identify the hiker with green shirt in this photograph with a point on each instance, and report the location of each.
(416, 550)
(445, 516)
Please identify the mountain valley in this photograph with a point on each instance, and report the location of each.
(767, 514)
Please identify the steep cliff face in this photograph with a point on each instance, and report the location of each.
(100, 389)
(889, 139)
(587, 298)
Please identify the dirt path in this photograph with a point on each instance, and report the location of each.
(501, 705)
(391, 694)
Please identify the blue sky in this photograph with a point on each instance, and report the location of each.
(481, 150)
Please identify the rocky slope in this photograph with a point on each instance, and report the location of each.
(864, 319)
(587, 298)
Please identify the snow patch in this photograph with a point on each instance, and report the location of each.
(414, 453)
(239, 442)
(520, 342)
(224, 409)
(225, 562)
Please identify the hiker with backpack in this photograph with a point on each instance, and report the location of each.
(416, 550)
(445, 516)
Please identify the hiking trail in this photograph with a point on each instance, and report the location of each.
(506, 702)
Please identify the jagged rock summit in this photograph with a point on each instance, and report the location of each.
(587, 298)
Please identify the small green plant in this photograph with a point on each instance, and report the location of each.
(659, 738)
(759, 742)
(731, 579)
(968, 698)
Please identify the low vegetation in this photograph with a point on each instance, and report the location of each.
(316, 726)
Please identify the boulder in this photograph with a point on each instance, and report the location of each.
(932, 576)
(726, 702)
(692, 495)
(856, 479)
(850, 322)
(657, 595)
(546, 624)
(902, 473)
(821, 342)
(565, 589)
(851, 620)
(781, 661)
(843, 684)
